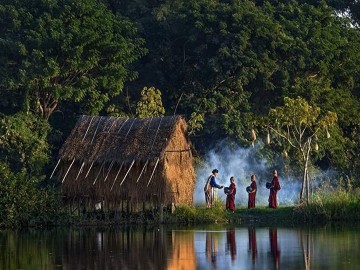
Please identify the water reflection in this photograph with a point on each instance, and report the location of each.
(211, 248)
(161, 248)
(274, 247)
(231, 243)
(252, 244)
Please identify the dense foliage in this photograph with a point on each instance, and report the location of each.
(224, 64)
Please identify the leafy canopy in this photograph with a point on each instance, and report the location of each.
(64, 50)
(150, 104)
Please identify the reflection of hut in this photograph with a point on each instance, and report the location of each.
(183, 251)
(112, 160)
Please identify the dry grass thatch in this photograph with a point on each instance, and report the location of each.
(128, 159)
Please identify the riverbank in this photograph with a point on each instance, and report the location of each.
(339, 206)
(261, 215)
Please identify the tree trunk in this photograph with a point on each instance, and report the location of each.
(47, 105)
(305, 181)
(307, 188)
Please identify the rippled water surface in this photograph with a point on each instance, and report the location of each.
(327, 247)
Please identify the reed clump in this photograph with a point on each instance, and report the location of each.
(337, 205)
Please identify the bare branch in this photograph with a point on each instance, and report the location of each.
(282, 135)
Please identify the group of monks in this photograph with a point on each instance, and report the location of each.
(211, 185)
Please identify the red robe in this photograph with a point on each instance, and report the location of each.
(275, 186)
(230, 198)
(252, 195)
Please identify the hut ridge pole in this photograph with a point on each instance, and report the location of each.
(142, 170)
(102, 165)
(80, 170)
(132, 163)
(122, 125)
(57, 164)
(98, 124)
(157, 161)
(68, 170)
(117, 175)
(87, 130)
(92, 163)
(110, 167)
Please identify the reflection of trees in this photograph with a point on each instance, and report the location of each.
(274, 246)
(252, 244)
(231, 243)
(25, 250)
(306, 244)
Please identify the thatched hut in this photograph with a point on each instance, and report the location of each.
(111, 160)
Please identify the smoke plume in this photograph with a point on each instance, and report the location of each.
(241, 163)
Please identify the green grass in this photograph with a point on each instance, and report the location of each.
(218, 214)
(195, 215)
(335, 206)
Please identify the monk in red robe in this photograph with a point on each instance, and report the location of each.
(252, 193)
(230, 198)
(274, 188)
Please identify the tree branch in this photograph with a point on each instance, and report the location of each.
(282, 135)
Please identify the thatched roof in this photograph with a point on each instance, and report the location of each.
(104, 139)
(118, 158)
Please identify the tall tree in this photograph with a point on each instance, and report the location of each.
(64, 50)
(299, 125)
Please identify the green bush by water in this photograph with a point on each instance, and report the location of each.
(195, 215)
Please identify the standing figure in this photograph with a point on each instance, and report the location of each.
(209, 189)
(252, 192)
(274, 188)
(230, 195)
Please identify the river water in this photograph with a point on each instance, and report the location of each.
(217, 247)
